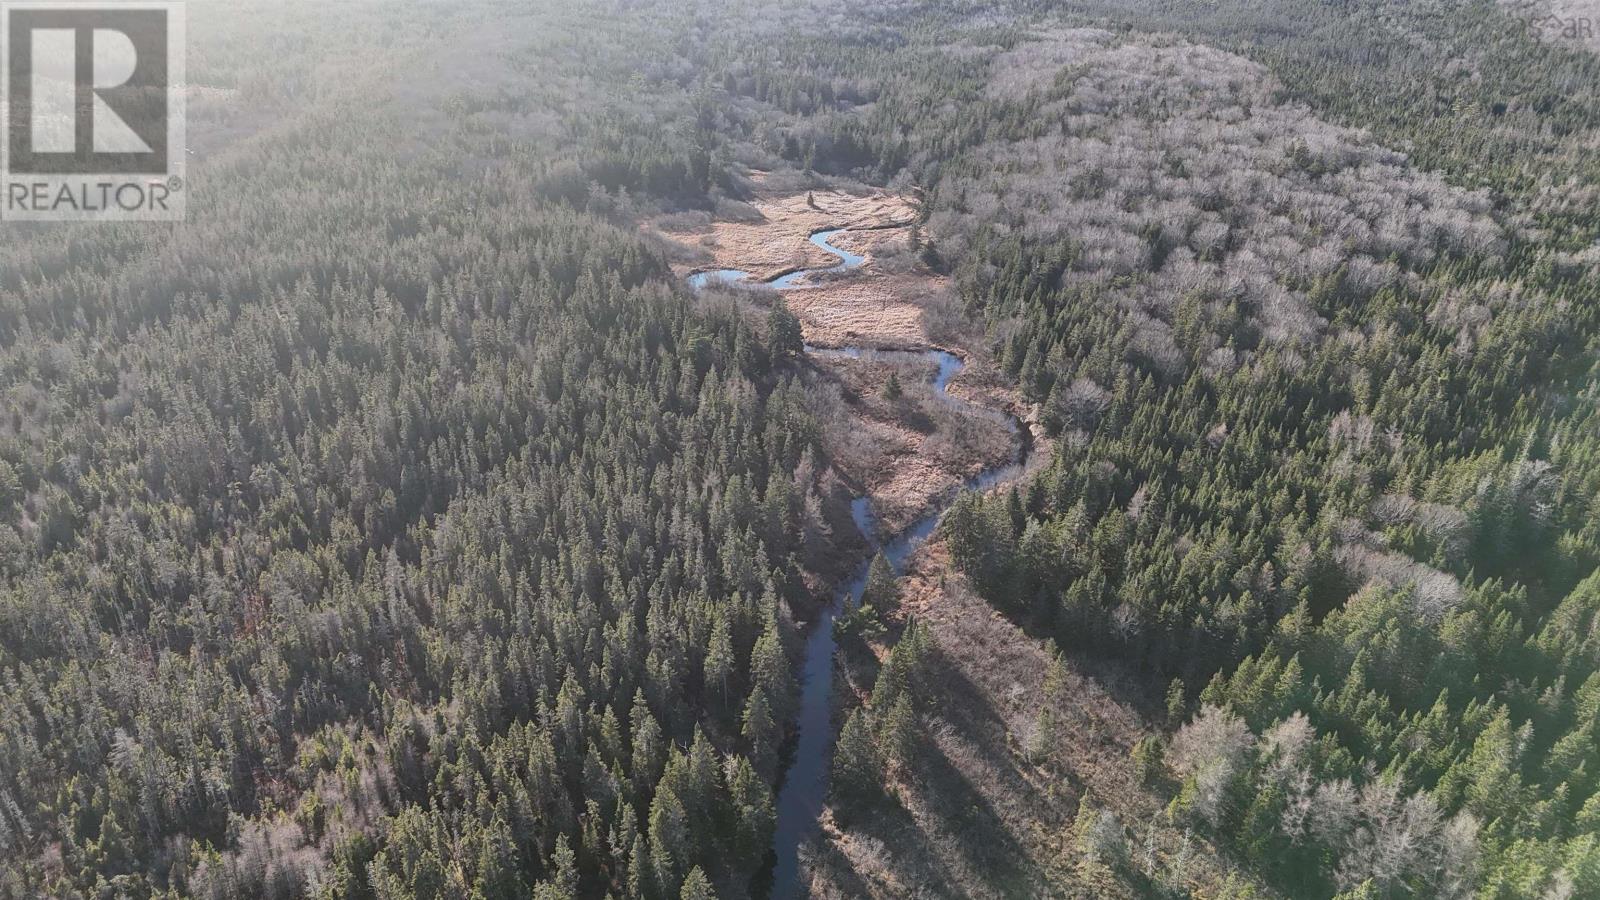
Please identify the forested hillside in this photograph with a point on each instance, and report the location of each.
(401, 526)
(393, 528)
(1326, 427)
(1307, 293)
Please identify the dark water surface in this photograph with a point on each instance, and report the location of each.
(805, 784)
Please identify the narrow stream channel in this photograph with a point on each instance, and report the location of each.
(805, 785)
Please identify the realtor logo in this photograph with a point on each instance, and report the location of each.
(93, 112)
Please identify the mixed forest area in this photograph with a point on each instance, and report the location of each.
(402, 525)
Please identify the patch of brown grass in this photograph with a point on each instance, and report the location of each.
(908, 453)
(779, 240)
(864, 309)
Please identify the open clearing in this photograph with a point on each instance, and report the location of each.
(868, 306)
(908, 452)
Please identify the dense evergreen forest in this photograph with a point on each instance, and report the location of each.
(399, 526)
(394, 528)
(1328, 425)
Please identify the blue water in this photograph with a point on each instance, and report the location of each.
(716, 276)
(847, 261)
(805, 784)
(792, 281)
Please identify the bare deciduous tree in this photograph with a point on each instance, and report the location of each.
(1212, 749)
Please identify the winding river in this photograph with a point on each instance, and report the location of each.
(805, 785)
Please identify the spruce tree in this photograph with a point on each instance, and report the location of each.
(857, 776)
(761, 735)
(882, 591)
(784, 338)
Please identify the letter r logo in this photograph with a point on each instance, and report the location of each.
(87, 88)
(92, 97)
(55, 100)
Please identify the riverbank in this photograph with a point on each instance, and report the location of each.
(770, 235)
(908, 450)
(879, 304)
(920, 403)
(977, 812)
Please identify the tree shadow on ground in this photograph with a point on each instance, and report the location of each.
(987, 849)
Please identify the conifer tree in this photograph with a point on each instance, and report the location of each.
(882, 591)
(857, 777)
(761, 735)
(784, 338)
(697, 887)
